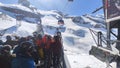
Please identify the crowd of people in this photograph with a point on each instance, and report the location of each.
(35, 51)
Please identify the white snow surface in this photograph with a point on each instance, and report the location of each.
(76, 48)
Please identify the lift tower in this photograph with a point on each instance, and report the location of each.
(112, 18)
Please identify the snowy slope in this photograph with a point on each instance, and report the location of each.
(77, 39)
(77, 47)
(12, 28)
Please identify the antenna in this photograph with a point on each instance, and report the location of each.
(97, 9)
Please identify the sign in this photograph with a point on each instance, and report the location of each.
(111, 10)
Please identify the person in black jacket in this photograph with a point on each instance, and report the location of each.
(24, 58)
(10, 42)
(5, 57)
(56, 46)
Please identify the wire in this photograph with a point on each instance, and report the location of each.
(66, 5)
(95, 33)
(104, 39)
(91, 31)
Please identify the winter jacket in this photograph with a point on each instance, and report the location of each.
(5, 61)
(23, 59)
(22, 62)
(5, 57)
(39, 43)
(56, 46)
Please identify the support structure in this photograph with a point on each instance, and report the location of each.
(113, 25)
(19, 17)
(108, 35)
(112, 19)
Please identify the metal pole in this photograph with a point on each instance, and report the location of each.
(108, 25)
(99, 39)
(108, 35)
(118, 37)
(118, 47)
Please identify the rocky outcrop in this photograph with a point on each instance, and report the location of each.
(77, 20)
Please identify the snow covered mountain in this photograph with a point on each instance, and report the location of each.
(77, 38)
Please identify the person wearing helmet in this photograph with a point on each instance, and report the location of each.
(35, 34)
(24, 57)
(39, 44)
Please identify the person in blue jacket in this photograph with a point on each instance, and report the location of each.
(24, 57)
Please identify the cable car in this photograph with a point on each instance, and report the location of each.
(70, 0)
(61, 22)
(61, 26)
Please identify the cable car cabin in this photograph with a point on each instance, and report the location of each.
(70, 0)
(61, 27)
(60, 22)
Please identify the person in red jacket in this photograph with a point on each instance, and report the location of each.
(47, 50)
(40, 47)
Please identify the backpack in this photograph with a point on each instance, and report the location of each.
(26, 47)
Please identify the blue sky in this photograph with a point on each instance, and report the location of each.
(77, 7)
